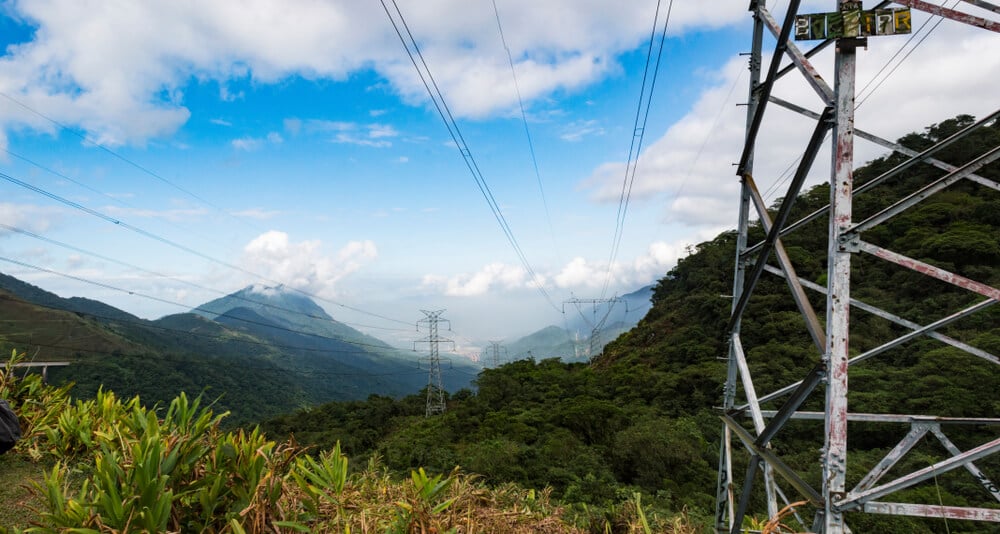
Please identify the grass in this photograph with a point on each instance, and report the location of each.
(17, 502)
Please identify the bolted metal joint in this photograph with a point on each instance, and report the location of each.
(849, 243)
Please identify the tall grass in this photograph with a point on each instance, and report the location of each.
(119, 467)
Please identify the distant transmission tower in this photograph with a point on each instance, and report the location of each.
(435, 390)
(494, 352)
(596, 325)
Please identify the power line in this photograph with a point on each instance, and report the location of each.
(113, 198)
(887, 63)
(437, 97)
(181, 305)
(106, 149)
(704, 142)
(174, 244)
(638, 132)
(527, 131)
(186, 282)
(151, 326)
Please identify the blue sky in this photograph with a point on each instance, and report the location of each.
(296, 143)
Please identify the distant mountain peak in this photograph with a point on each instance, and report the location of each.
(265, 290)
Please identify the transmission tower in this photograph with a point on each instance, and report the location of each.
(496, 352)
(596, 324)
(435, 390)
(746, 422)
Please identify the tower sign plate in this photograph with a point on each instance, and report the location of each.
(852, 21)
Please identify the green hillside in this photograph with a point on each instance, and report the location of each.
(643, 416)
(250, 364)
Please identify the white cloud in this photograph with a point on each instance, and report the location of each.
(690, 166)
(577, 130)
(220, 122)
(172, 214)
(305, 265)
(643, 269)
(118, 72)
(257, 213)
(346, 138)
(492, 276)
(577, 274)
(377, 131)
(249, 144)
(36, 219)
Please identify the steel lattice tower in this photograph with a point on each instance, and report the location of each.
(745, 421)
(596, 325)
(495, 351)
(435, 389)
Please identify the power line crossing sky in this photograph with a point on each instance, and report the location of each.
(297, 142)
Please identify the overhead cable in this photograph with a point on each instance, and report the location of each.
(437, 97)
(179, 246)
(638, 132)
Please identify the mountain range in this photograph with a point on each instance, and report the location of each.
(571, 342)
(258, 352)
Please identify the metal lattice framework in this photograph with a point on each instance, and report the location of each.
(435, 388)
(766, 471)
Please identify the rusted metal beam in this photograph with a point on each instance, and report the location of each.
(741, 510)
(921, 331)
(725, 497)
(783, 415)
(798, 293)
(764, 89)
(916, 433)
(838, 307)
(812, 52)
(809, 73)
(924, 156)
(947, 167)
(915, 158)
(891, 317)
(776, 463)
(748, 387)
(958, 16)
(976, 473)
(892, 344)
(933, 510)
(758, 420)
(782, 216)
(894, 418)
(856, 500)
(983, 4)
(925, 192)
(932, 271)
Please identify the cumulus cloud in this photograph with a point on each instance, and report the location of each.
(690, 166)
(305, 265)
(491, 276)
(580, 273)
(119, 72)
(577, 274)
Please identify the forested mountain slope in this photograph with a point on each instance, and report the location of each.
(254, 366)
(643, 416)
